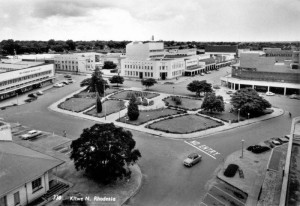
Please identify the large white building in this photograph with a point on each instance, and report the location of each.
(78, 62)
(18, 77)
(150, 60)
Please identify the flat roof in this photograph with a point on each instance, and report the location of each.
(221, 48)
(20, 165)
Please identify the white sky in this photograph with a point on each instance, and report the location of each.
(179, 20)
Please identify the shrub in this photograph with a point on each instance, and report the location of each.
(231, 170)
(133, 109)
(151, 102)
(257, 149)
(177, 100)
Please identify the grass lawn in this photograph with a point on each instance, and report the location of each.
(185, 124)
(77, 104)
(111, 106)
(186, 103)
(125, 95)
(120, 190)
(146, 116)
(85, 94)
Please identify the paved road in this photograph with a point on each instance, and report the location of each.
(167, 181)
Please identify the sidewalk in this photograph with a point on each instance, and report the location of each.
(113, 117)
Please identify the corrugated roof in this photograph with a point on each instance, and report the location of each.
(20, 165)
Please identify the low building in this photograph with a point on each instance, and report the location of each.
(78, 62)
(265, 73)
(18, 77)
(25, 174)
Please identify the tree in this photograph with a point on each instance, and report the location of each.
(133, 109)
(98, 104)
(95, 82)
(199, 86)
(148, 82)
(248, 101)
(109, 65)
(116, 79)
(213, 103)
(71, 45)
(105, 152)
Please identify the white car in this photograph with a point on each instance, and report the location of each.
(39, 93)
(31, 134)
(202, 74)
(276, 142)
(192, 159)
(58, 85)
(270, 94)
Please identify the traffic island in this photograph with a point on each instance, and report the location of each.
(97, 194)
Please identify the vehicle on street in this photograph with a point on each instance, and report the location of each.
(32, 95)
(202, 74)
(31, 134)
(270, 93)
(70, 81)
(208, 72)
(276, 142)
(58, 85)
(294, 96)
(283, 140)
(229, 92)
(68, 76)
(192, 159)
(65, 82)
(39, 93)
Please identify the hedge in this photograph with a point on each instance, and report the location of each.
(231, 170)
(257, 149)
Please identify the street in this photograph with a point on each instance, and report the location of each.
(166, 181)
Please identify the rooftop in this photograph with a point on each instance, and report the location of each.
(221, 49)
(208, 60)
(19, 165)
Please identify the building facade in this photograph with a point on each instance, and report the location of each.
(78, 62)
(16, 80)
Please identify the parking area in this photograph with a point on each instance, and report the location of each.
(203, 148)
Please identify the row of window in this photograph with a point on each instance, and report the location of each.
(154, 56)
(138, 67)
(24, 78)
(36, 185)
(163, 67)
(136, 73)
(156, 50)
(177, 65)
(177, 73)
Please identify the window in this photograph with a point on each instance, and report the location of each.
(36, 185)
(17, 198)
(3, 201)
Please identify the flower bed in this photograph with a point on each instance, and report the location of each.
(125, 95)
(108, 107)
(77, 104)
(184, 124)
(187, 103)
(85, 94)
(146, 116)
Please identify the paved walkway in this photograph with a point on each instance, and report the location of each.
(113, 117)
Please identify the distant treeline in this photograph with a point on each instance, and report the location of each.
(10, 47)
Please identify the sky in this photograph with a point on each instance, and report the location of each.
(138, 20)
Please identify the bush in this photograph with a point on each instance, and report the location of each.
(177, 100)
(151, 102)
(231, 170)
(257, 149)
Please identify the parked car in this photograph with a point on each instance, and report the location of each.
(270, 93)
(276, 142)
(68, 76)
(58, 85)
(202, 74)
(31, 134)
(283, 140)
(229, 92)
(294, 96)
(192, 159)
(39, 93)
(65, 82)
(32, 95)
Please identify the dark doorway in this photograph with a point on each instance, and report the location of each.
(141, 75)
(163, 75)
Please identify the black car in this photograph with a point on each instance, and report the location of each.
(68, 76)
(32, 95)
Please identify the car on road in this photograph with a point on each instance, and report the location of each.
(270, 93)
(68, 76)
(202, 74)
(192, 159)
(31, 134)
(70, 81)
(39, 93)
(65, 82)
(58, 85)
(283, 140)
(32, 95)
(294, 96)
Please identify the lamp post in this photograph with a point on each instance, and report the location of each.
(242, 148)
(239, 115)
(248, 116)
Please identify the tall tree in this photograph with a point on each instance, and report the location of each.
(248, 101)
(116, 80)
(98, 102)
(71, 45)
(95, 81)
(148, 82)
(133, 109)
(105, 152)
(109, 65)
(213, 103)
(199, 86)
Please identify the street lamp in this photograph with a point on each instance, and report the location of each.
(248, 116)
(239, 115)
(242, 148)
